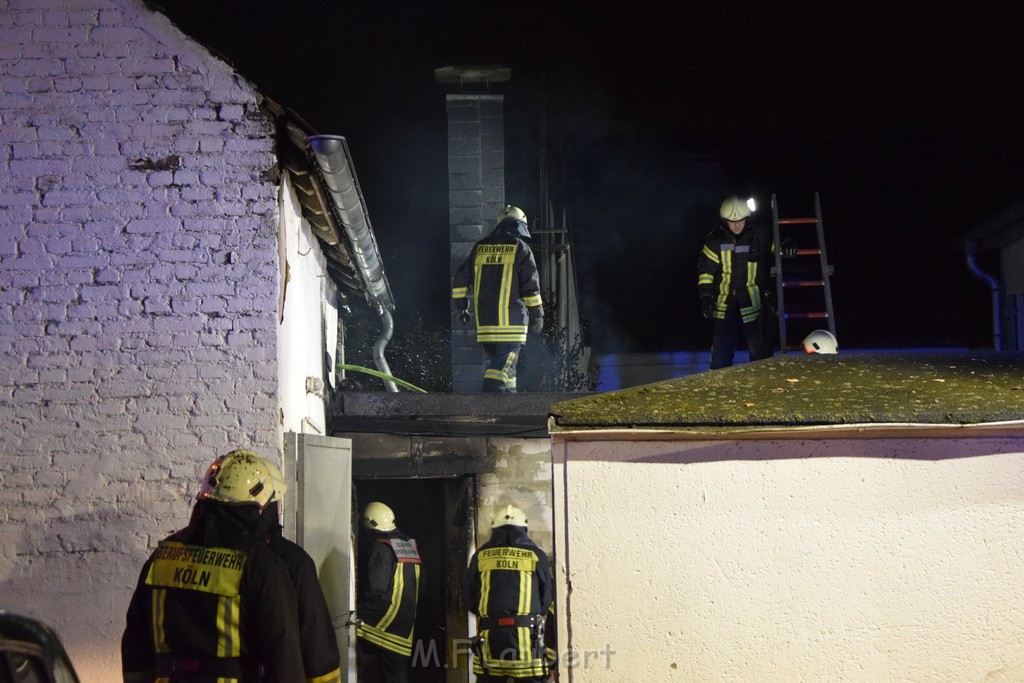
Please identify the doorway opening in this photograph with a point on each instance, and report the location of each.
(439, 514)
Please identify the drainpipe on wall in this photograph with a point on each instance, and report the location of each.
(349, 209)
(994, 286)
(382, 341)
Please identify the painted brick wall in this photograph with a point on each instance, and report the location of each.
(138, 300)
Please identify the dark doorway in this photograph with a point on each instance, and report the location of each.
(435, 513)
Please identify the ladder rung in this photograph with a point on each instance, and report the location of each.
(807, 315)
(797, 221)
(808, 252)
(804, 283)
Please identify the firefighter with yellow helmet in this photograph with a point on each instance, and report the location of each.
(321, 659)
(509, 588)
(390, 586)
(500, 282)
(733, 269)
(213, 602)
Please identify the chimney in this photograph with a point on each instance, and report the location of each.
(476, 191)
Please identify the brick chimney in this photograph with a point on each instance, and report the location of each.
(476, 193)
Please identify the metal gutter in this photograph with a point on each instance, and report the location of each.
(335, 164)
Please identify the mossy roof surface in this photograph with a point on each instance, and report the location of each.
(805, 390)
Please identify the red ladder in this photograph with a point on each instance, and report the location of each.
(811, 277)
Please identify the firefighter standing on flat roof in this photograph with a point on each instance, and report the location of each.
(732, 268)
(501, 273)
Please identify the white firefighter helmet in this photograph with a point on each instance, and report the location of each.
(378, 516)
(509, 514)
(821, 341)
(241, 476)
(734, 209)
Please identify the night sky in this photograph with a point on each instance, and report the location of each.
(906, 121)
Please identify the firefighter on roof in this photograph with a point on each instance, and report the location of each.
(732, 268)
(509, 588)
(390, 587)
(213, 602)
(502, 275)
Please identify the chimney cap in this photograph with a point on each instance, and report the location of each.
(462, 75)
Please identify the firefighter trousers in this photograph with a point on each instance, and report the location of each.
(726, 335)
(500, 375)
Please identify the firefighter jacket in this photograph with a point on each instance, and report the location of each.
(509, 587)
(390, 586)
(320, 657)
(505, 284)
(734, 268)
(213, 604)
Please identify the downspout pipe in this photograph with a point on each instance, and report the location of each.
(996, 289)
(378, 347)
(349, 210)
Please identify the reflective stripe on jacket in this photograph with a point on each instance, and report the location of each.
(510, 576)
(390, 588)
(502, 274)
(213, 604)
(735, 267)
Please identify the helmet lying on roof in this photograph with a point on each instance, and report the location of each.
(820, 341)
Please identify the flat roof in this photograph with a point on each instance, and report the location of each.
(794, 392)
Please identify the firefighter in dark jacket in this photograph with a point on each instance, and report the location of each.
(502, 275)
(320, 657)
(321, 660)
(509, 588)
(390, 586)
(732, 272)
(213, 603)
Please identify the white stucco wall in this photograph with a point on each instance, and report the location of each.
(852, 560)
(138, 301)
(309, 321)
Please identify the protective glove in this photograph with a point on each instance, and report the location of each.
(460, 307)
(788, 249)
(536, 320)
(707, 307)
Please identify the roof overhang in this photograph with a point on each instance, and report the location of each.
(322, 172)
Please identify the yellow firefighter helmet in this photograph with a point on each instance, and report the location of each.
(241, 476)
(516, 222)
(513, 212)
(734, 209)
(378, 516)
(509, 514)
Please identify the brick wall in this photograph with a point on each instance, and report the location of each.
(138, 300)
